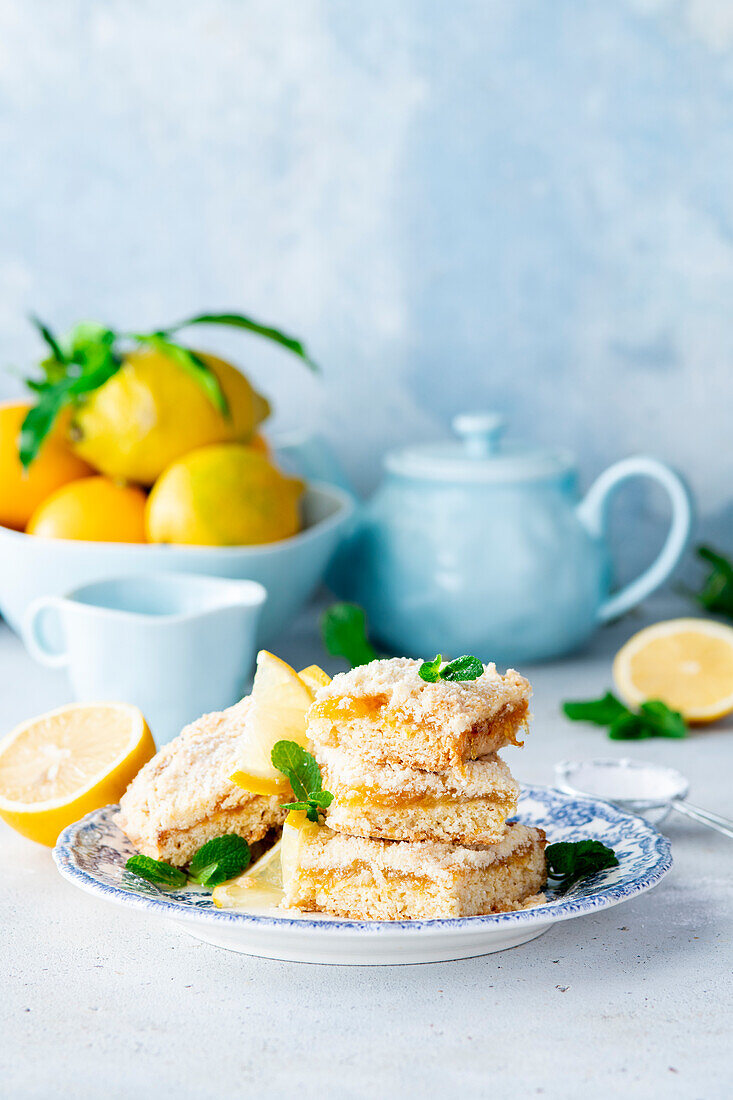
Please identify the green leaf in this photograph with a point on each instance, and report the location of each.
(192, 364)
(570, 861)
(344, 633)
(628, 727)
(302, 770)
(653, 719)
(57, 352)
(716, 594)
(299, 766)
(462, 668)
(238, 320)
(602, 712)
(661, 720)
(153, 870)
(39, 421)
(429, 671)
(219, 859)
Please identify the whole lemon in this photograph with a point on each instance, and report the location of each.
(21, 491)
(226, 495)
(93, 509)
(151, 412)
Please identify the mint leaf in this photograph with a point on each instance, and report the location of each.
(628, 727)
(602, 712)
(155, 871)
(661, 720)
(299, 766)
(429, 671)
(570, 861)
(319, 801)
(653, 719)
(344, 633)
(463, 668)
(716, 594)
(304, 775)
(238, 320)
(219, 859)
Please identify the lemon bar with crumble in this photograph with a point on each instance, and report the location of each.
(385, 713)
(184, 796)
(348, 876)
(466, 804)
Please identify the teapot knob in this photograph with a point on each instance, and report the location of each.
(480, 432)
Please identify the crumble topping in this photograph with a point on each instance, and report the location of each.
(455, 705)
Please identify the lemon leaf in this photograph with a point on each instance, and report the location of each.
(238, 320)
(48, 337)
(192, 364)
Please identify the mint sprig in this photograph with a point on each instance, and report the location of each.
(653, 718)
(215, 862)
(301, 769)
(570, 861)
(92, 353)
(344, 633)
(462, 668)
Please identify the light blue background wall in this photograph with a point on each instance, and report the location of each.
(517, 204)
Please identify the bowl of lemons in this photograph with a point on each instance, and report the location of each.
(137, 454)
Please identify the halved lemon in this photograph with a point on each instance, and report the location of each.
(61, 765)
(261, 885)
(687, 663)
(279, 701)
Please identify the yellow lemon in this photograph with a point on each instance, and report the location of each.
(261, 885)
(280, 700)
(58, 767)
(152, 412)
(226, 495)
(93, 509)
(21, 491)
(314, 678)
(687, 663)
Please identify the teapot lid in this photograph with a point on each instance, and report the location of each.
(478, 455)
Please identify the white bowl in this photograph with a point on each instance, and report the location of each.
(31, 566)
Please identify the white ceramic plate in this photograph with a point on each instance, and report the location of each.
(92, 855)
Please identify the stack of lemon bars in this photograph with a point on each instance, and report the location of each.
(418, 823)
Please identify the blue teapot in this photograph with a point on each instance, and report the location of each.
(472, 546)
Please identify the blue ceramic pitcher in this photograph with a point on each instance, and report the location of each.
(472, 546)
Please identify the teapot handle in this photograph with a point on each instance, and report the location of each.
(593, 510)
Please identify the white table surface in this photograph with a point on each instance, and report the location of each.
(99, 1001)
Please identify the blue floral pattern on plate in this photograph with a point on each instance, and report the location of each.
(92, 854)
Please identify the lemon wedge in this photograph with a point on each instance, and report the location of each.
(261, 885)
(296, 830)
(687, 663)
(314, 678)
(279, 701)
(58, 767)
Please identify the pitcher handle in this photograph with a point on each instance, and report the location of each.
(593, 510)
(33, 634)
